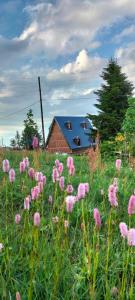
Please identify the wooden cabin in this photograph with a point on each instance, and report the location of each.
(68, 134)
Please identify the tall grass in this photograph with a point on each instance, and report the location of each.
(77, 262)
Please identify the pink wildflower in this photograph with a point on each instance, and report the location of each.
(70, 161)
(55, 175)
(61, 183)
(38, 176)
(35, 142)
(123, 229)
(131, 237)
(97, 218)
(35, 192)
(112, 196)
(57, 162)
(12, 175)
(131, 205)
(41, 186)
(69, 189)
(18, 297)
(60, 168)
(81, 191)
(71, 170)
(36, 219)
(118, 164)
(27, 203)
(22, 166)
(70, 200)
(6, 166)
(31, 173)
(17, 219)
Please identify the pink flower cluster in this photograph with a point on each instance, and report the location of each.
(112, 195)
(40, 177)
(118, 164)
(70, 165)
(31, 173)
(35, 191)
(36, 219)
(131, 205)
(70, 201)
(69, 189)
(12, 175)
(24, 164)
(6, 166)
(97, 218)
(35, 143)
(6, 169)
(27, 202)
(83, 189)
(129, 234)
(61, 183)
(57, 172)
(55, 175)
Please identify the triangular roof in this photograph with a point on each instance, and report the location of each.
(77, 130)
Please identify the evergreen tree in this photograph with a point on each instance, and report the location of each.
(112, 101)
(13, 143)
(16, 141)
(30, 130)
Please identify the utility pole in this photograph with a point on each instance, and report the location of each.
(41, 107)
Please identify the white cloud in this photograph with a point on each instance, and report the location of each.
(68, 26)
(126, 57)
(87, 91)
(83, 63)
(84, 68)
(127, 32)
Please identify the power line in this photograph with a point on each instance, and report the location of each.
(18, 111)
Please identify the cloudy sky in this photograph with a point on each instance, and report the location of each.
(66, 43)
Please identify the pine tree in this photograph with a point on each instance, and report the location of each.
(112, 101)
(30, 130)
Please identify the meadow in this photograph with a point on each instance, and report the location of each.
(54, 245)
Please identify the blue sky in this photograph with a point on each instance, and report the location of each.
(67, 43)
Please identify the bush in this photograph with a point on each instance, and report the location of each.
(108, 148)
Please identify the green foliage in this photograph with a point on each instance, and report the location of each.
(129, 121)
(108, 148)
(112, 101)
(30, 130)
(129, 125)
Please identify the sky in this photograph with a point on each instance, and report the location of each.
(65, 42)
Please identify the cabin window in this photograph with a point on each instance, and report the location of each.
(68, 125)
(77, 140)
(84, 125)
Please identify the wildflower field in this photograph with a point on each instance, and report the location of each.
(67, 230)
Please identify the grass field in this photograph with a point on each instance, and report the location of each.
(72, 260)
